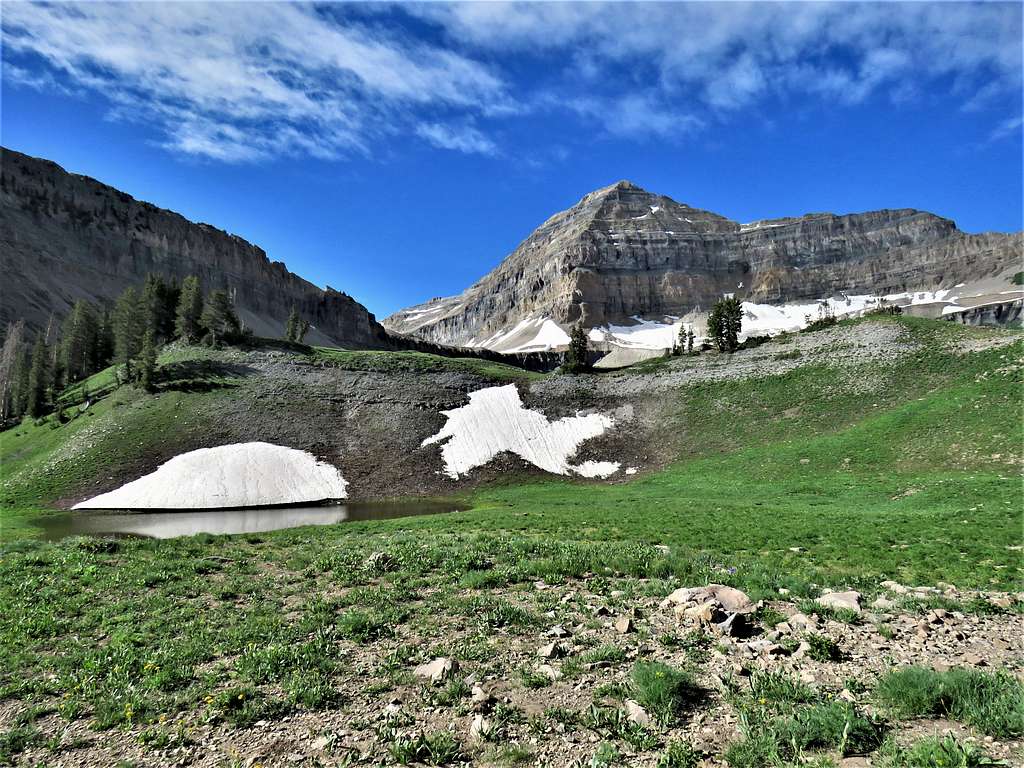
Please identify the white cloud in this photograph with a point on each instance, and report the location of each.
(730, 54)
(1009, 127)
(243, 81)
(638, 115)
(462, 139)
(236, 81)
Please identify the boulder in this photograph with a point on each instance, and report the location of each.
(553, 650)
(847, 600)
(436, 671)
(480, 728)
(637, 714)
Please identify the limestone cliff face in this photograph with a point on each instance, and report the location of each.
(622, 251)
(64, 237)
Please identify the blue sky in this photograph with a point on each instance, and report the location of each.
(399, 152)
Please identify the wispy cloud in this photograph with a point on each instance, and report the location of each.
(729, 55)
(1010, 127)
(464, 138)
(239, 82)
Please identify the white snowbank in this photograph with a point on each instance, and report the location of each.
(596, 468)
(646, 334)
(495, 421)
(537, 334)
(239, 475)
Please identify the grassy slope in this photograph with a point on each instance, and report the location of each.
(894, 472)
(888, 471)
(420, 362)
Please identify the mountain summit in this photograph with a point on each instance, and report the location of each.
(623, 252)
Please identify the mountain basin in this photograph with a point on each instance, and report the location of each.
(169, 524)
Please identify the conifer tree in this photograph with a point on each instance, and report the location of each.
(219, 316)
(103, 352)
(576, 358)
(188, 325)
(12, 352)
(38, 379)
(129, 329)
(78, 342)
(160, 299)
(296, 328)
(147, 361)
(725, 322)
(21, 379)
(690, 336)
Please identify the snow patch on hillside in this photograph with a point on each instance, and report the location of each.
(496, 422)
(238, 475)
(531, 335)
(645, 334)
(600, 469)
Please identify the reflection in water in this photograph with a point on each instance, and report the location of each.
(169, 525)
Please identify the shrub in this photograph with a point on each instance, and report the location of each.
(823, 648)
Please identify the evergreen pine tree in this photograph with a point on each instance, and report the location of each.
(20, 377)
(38, 379)
(188, 325)
(725, 322)
(147, 361)
(690, 336)
(576, 358)
(160, 299)
(103, 352)
(296, 328)
(78, 342)
(291, 328)
(219, 317)
(13, 350)
(129, 329)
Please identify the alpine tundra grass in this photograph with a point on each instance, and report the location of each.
(787, 485)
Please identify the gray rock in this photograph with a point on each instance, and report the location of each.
(636, 713)
(553, 650)
(480, 728)
(846, 600)
(436, 671)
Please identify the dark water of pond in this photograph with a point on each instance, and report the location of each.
(172, 524)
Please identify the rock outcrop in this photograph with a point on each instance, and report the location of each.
(623, 252)
(65, 237)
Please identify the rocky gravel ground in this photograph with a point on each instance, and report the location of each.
(563, 689)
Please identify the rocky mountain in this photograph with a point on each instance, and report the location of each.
(623, 252)
(65, 237)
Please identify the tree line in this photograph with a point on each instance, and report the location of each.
(33, 371)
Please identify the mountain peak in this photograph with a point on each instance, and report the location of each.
(614, 189)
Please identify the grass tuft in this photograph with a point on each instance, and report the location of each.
(991, 702)
(663, 691)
